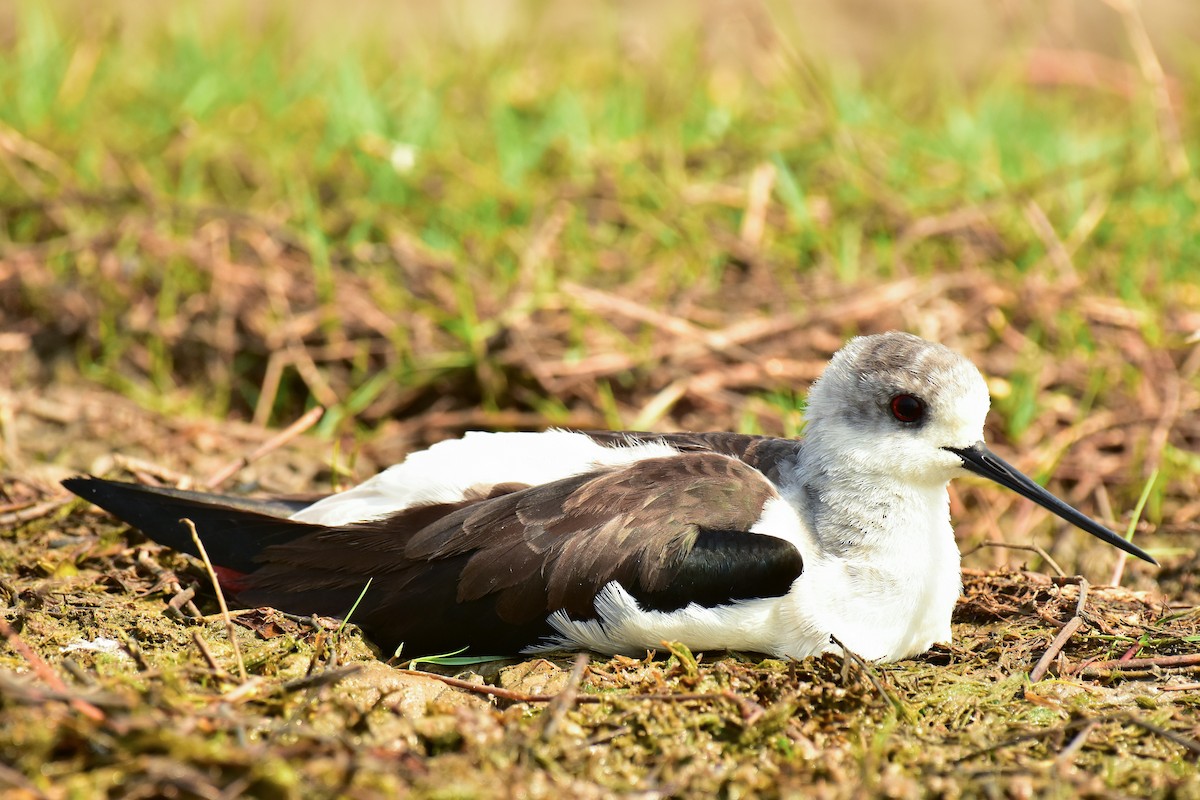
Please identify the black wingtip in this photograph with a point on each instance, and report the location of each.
(96, 490)
(142, 507)
(234, 530)
(81, 485)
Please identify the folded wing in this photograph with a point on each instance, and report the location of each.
(486, 572)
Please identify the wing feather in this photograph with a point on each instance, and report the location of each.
(487, 571)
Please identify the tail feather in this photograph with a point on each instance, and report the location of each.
(234, 530)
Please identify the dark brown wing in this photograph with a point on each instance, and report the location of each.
(487, 571)
(670, 530)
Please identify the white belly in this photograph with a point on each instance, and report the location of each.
(879, 616)
(884, 607)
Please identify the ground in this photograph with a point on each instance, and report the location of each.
(274, 252)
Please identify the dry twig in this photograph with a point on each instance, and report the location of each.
(1190, 744)
(216, 584)
(849, 656)
(1105, 669)
(1068, 630)
(202, 646)
(142, 467)
(181, 597)
(1032, 548)
(758, 199)
(564, 700)
(1066, 756)
(751, 711)
(298, 427)
(30, 513)
(326, 677)
(48, 675)
(1086, 723)
(523, 697)
(12, 779)
(1155, 76)
(26, 691)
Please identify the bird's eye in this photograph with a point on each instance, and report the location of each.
(908, 408)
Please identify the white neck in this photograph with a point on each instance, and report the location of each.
(883, 571)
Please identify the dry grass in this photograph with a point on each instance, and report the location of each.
(173, 717)
(671, 227)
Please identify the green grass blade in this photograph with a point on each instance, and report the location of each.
(346, 619)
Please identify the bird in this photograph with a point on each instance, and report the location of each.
(516, 543)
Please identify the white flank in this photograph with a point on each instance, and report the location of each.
(779, 519)
(448, 470)
(623, 627)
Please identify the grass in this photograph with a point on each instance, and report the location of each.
(348, 156)
(213, 219)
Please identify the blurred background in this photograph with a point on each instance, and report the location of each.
(217, 216)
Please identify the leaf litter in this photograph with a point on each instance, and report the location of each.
(164, 712)
(1102, 387)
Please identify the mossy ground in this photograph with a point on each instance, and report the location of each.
(215, 218)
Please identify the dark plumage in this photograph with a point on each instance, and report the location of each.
(486, 572)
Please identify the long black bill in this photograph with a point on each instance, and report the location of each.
(979, 459)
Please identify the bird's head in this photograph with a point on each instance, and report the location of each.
(896, 405)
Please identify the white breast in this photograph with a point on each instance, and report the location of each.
(893, 596)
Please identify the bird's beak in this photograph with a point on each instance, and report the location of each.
(979, 459)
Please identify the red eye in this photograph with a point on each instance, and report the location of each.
(908, 408)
